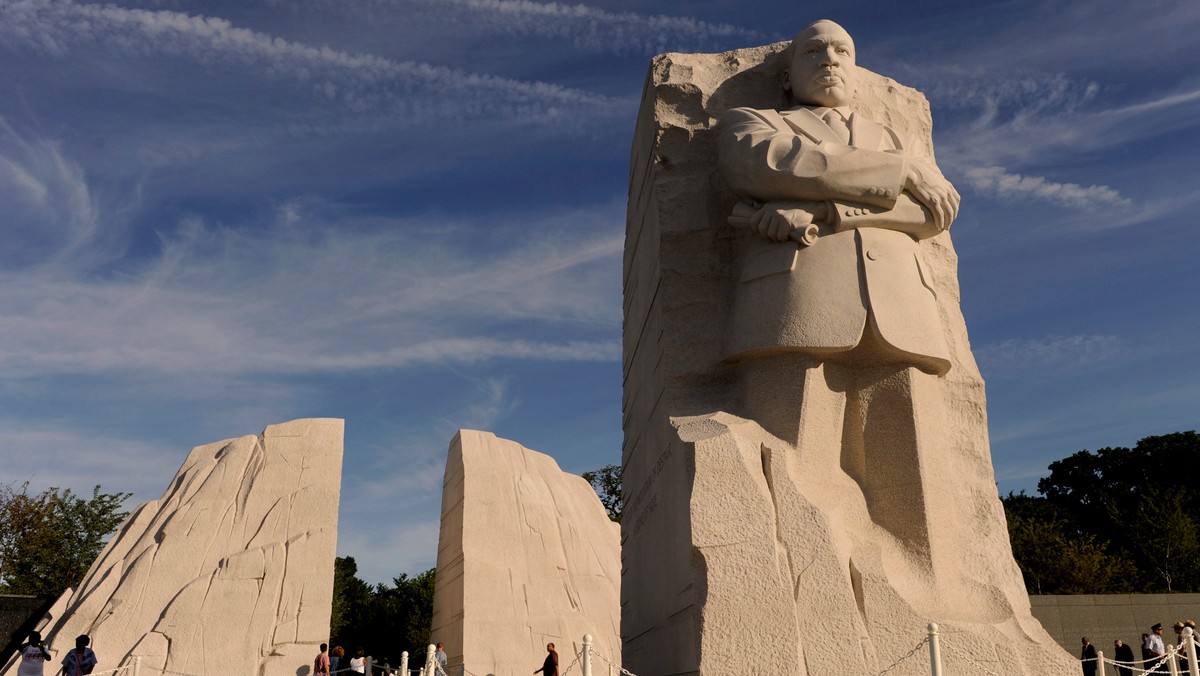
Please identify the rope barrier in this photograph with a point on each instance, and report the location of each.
(572, 664)
(970, 658)
(623, 670)
(906, 656)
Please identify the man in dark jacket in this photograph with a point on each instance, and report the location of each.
(1088, 656)
(1123, 654)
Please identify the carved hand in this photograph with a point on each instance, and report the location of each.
(930, 188)
(777, 220)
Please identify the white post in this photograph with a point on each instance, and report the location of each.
(137, 665)
(370, 662)
(1189, 644)
(1172, 665)
(1100, 663)
(429, 660)
(404, 663)
(585, 659)
(935, 651)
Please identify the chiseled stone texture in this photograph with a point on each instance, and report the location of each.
(739, 552)
(231, 571)
(527, 556)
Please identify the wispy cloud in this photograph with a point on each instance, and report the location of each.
(1014, 357)
(61, 453)
(1006, 185)
(358, 82)
(311, 295)
(42, 187)
(596, 29)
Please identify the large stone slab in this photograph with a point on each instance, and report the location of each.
(527, 556)
(231, 571)
(794, 505)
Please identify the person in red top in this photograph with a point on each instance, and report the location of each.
(321, 663)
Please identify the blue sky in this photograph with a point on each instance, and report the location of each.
(410, 213)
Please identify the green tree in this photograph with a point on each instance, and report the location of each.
(49, 540)
(607, 483)
(1135, 505)
(383, 620)
(1054, 559)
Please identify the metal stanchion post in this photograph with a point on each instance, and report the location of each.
(585, 659)
(1172, 664)
(935, 651)
(137, 665)
(429, 660)
(1100, 670)
(1189, 643)
(404, 663)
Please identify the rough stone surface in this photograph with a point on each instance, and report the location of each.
(738, 544)
(527, 556)
(231, 571)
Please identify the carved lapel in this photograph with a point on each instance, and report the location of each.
(806, 122)
(865, 133)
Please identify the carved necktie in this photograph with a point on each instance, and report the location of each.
(834, 120)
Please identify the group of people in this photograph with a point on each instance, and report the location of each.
(329, 662)
(1154, 652)
(78, 662)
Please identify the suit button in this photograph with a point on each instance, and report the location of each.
(873, 254)
(849, 212)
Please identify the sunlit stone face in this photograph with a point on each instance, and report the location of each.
(822, 69)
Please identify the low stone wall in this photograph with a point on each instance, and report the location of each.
(1104, 617)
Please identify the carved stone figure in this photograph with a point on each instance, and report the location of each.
(806, 460)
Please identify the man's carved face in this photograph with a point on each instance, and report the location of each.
(822, 70)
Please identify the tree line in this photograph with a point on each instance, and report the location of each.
(381, 619)
(1112, 521)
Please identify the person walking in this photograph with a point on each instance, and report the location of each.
(358, 663)
(336, 657)
(1123, 654)
(1087, 657)
(33, 656)
(550, 666)
(440, 656)
(80, 661)
(321, 662)
(1156, 649)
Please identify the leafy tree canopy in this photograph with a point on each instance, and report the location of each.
(50, 539)
(382, 619)
(1113, 520)
(607, 483)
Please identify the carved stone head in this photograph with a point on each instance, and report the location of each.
(822, 70)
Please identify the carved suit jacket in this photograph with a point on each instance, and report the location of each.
(817, 299)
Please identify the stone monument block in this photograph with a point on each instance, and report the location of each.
(527, 556)
(806, 463)
(231, 571)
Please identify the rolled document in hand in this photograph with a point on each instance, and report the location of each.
(744, 211)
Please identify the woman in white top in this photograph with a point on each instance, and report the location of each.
(358, 663)
(33, 656)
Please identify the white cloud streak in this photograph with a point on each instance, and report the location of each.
(310, 295)
(1015, 357)
(997, 181)
(359, 82)
(595, 29)
(40, 185)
